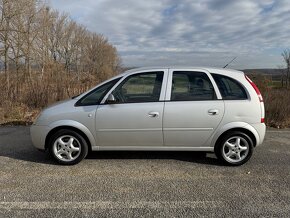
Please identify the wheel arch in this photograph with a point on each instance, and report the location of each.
(241, 127)
(74, 126)
(243, 130)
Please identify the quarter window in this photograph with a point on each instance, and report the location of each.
(191, 86)
(95, 96)
(230, 89)
(144, 87)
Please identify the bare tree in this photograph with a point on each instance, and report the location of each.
(8, 12)
(286, 56)
(46, 56)
(281, 69)
(35, 38)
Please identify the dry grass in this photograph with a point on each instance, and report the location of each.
(21, 101)
(277, 102)
(23, 98)
(277, 106)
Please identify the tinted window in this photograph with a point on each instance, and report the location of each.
(145, 87)
(96, 95)
(191, 86)
(230, 89)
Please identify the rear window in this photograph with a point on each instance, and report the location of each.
(230, 89)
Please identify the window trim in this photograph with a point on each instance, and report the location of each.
(169, 86)
(235, 81)
(162, 91)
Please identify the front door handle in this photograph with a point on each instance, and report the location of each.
(213, 112)
(153, 114)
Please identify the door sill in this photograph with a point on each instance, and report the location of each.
(151, 148)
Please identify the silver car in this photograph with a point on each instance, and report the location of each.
(180, 109)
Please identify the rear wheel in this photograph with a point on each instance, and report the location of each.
(68, 147)
(235, 148)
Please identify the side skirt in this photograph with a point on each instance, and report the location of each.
(151, 148)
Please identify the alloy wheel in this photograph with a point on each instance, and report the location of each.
(235, 149)
(67, 148)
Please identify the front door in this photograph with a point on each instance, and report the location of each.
(192, 111)
(135, 119)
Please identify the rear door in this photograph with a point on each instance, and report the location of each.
(193, 108)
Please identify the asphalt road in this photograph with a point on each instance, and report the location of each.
(143, 184)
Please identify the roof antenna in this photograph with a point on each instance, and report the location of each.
(230, 62)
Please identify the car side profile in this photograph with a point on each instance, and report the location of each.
(180, 109)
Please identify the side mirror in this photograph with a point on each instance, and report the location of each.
(111, 99)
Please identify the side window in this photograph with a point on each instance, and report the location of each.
(230, 89)
(191, 86)
(144, 87)
(95, 96)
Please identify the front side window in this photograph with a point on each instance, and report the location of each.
(230, 89)
(191, 86)
(144, 87)
(95, 96)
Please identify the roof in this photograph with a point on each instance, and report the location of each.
(210, 69)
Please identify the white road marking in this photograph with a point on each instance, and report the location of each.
(31, 205)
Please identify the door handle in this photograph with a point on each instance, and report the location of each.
(153, 114)
(213, 112)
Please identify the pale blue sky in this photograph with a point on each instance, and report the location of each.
(189, 32)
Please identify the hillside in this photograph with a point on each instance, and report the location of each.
(264, 71)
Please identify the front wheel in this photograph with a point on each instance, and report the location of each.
(235, 148)
(68, 147)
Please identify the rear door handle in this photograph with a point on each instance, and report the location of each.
(153, 114)
(213, 112)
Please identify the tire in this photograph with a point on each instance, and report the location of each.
(68, 147)
(235, 148)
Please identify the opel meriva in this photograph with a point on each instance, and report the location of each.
(181, 109)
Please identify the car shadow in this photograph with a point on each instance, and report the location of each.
(187, 156)
(30, 154)
(16, 144)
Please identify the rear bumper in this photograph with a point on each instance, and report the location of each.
(261, 130)
(38, 135)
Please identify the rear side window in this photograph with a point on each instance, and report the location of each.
(191, 86)
(230, 89)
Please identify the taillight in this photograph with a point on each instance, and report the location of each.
(256, 88)
(262, 120)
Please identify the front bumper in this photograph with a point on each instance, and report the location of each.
(38, 134)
